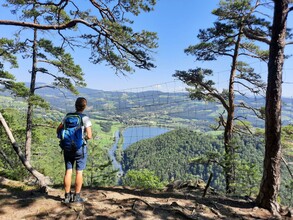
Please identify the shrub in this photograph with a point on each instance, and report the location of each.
(144, 179)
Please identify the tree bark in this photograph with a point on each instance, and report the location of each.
(29, 122)
(42, 180)
(230, 166)
(270, 184)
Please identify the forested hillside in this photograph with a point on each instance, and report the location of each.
(188, 155)
(184, 154)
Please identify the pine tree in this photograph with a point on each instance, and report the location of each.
(227, 39)
(8, 49)
(270, 184)
(103, 27)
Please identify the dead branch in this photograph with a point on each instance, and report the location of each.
(255, 110)
(6, 158)
(207, 186)
(143, 201)
(177, 209)
(244, 125)
(42, 180)
(287, 166)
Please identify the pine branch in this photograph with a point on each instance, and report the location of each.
(288, 43)
(247, 128)
(45, 86)
(249, 34)
(249, 88)
(255, 111)
(253, 56)
(105, 12)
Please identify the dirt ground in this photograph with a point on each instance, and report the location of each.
(185, 202)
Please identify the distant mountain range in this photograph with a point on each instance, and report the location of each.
(156, 107)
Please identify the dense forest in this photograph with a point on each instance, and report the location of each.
(185, 154)
(188, 155)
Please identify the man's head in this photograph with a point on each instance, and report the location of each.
(80, 104)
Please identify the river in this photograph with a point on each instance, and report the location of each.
(130, 136)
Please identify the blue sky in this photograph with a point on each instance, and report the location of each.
(177, 24)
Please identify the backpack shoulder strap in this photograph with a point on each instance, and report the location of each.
(71, 113)
(74, 114)
(81, 116)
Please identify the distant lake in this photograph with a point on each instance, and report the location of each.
(132, 135)
(135, 134)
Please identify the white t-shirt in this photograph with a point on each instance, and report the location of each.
(86, 121)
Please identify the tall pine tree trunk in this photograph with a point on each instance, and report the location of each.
(228, 132)
(270, 184)
(228, 135)
(29, 121)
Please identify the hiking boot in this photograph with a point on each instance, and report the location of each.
(77, 198)
(67, 198)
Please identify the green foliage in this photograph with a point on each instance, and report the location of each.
(287, 193)
(16, 88)
(10, 165)
(248, 177)
(99, 170)
(169, 155)
(135, 6)
(47, 157)
(7, 50)
(227, 39)
(181, 154)
(128, 42)
(37, 100)
(247, 171)
(287, 170)
(143, 178)
(199, 85)
(104, 28)
(57, 57)
(220, 41)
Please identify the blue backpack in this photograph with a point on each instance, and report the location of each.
(70, 135)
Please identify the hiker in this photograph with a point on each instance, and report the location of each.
(75, 154)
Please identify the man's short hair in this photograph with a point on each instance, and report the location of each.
(80, 103)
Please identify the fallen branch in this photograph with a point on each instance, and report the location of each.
(287, 165)
(207, 186)
(177, 209)
(140, 200)
(42, 180)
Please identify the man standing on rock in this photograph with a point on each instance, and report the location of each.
(73, 153)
